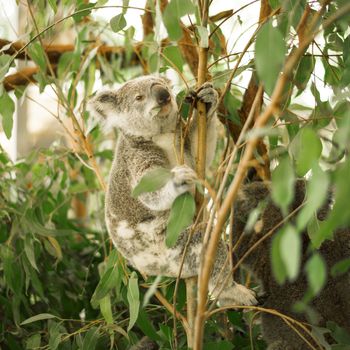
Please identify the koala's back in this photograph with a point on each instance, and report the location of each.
(333, 302)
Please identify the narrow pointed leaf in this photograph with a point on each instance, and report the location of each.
(181, 216)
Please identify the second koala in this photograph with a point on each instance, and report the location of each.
(146, 114)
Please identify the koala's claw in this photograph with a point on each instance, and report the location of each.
(184, 177)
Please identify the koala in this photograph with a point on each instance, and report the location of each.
(145, 112)
(332, 303)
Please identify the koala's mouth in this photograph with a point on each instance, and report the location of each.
(162, 111)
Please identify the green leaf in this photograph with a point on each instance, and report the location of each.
(283, 184)
(7, 109)
(53, 5)
(12, 270)
(106, 309)
(303, 74)
(233, 104)
(340, 267)
(173, 57)
(269, 55)
(90, 339)
(278, 268)
(54, 335)
(107, 282)
(181, 216)
(317, 189)
(82, 11)
(306, 149)
(33, 342)
(337, 216)
(172, 14)
(133, 296)
(118, 23)
(274, 3)
(5, 61)
(38, 317)
(146, 326)
(316, 273)
(38, 55)
(290, 250)
(29, 250)
(152, 181)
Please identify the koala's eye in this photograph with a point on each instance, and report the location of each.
(139, 97)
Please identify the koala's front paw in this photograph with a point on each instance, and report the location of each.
(206, 94)
(183, 178)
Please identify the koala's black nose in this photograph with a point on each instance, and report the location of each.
(161, 94)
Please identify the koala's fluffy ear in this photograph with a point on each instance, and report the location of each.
(102, 104)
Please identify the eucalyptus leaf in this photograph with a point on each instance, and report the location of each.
(29, 250)
(106, 309)
(283, 184)
(53, 5)
(90, 339)
(173, 57)
(107, 282)
(33, 342)
(316, 273)
(118, 23)
(290, 250)
(152, 181)
(181, 216)
(172, 13)
(270, 49)
(37, 54)
(5, 61)
(133, 296)
(317, 190)
(6, 111)
(38, 317)
(340, 267)
(306, 149)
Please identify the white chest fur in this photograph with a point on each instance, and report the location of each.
(168, 143)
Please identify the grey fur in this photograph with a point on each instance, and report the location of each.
(149, 139)
(332, 304)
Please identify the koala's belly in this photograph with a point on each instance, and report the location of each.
(170, 144)
(143, 246)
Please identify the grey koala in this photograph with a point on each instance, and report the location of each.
(145, 112)
(333, 302)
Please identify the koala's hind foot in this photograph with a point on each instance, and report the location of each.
(236, 294)
(232, 293)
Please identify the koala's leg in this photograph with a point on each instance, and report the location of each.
(232, 292)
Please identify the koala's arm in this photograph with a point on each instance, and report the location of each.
(209, 96)
(181, 181)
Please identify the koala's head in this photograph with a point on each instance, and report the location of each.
(143, 106)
